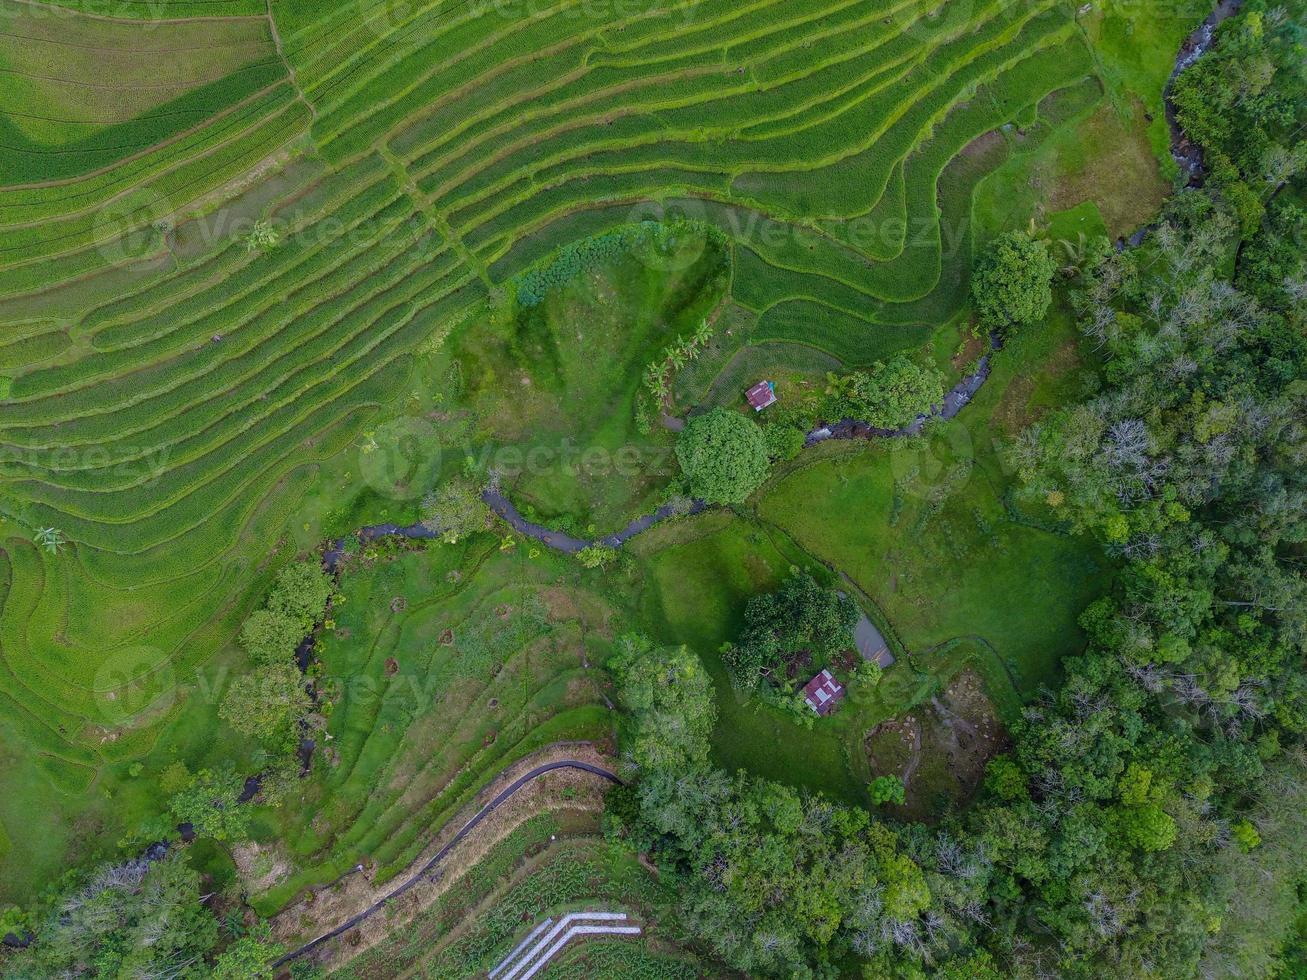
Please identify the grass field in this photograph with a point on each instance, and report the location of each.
(190, 408)
(444, 666)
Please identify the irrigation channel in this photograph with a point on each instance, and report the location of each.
(952, 403)
(432, 865)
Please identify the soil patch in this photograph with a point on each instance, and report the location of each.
(940, 749)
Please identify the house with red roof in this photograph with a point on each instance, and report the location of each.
(761, 395)
(823, 692)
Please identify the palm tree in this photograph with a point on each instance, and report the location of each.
(51, 539)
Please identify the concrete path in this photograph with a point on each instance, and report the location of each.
(440, 855)
(529, 958)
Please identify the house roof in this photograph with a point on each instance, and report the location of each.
(761, 395)
(823, 692)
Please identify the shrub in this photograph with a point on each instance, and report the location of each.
(597, 556)
(888, 789)
(784, 442)
(208, 804)
(271, 637)
(301, 592)
(455, 510)
(1012, 281)
(723, 455)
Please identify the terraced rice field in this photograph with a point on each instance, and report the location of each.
(174, 398)
(444, 666)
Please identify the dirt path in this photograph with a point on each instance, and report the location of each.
(441, 854)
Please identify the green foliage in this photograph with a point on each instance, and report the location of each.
(596, 556)
(248, 958)
(1012, 281)
(139, 919)
(301, 592)
(455, 509)
(801, 616)
(51, 540)
(784, 442)
(263, 237)
(1245, 104)
(888, 396)
(723, 455)
(670, 699)
(267, 703)
(271, 637)
(209, 804)
(1246, 835)
(1147, 827)
(888, 789)
(1193, 675)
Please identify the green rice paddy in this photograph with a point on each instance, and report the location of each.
(190, 406)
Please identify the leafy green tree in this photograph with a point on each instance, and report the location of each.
(1012, 281)
(267, 702)
(1245, 104)
(1148, 827)
(138, 919)
(889, 396)
(455, 509)
(209, 804)
(723, 455)
(248, 958)
(799, 616)
(784, 441)
(670, 699)
(1246, 835)
(301, 592)
(271, 637)
(888, 789)
(1005, 779)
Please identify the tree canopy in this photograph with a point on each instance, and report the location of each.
(301, 593)
(776, 882)
(209, 804)
(800, 616)
(267, 702)
(889, 396)
(455, 509)
(141, 918)
(723, 455)
(669, 696)
(271, 637)
(1012, 281)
